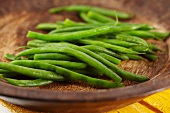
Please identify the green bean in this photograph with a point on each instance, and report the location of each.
(12, 57)
(99, 17)
(35, 43)
(28, 83)
(140, 33)
(144, 27)
(46, 26)
(134, 57)
(110, 58)
(148, 34)
(9, 56)
(132, 39)
(153, 47)
(84, 17)
(66, 64)
(140, 48)
(80, 34)
(78, 8)
(53, 56)
(108, 46)
(124, 74)
(68, 23)
(104, 50)
(74, 28)
(78, 54)
(38, 41)
(117, 42)
(69, 74)
(151, 57)
(59, 23)
(85, 8)
(149, 51)
(160, 35)
(2, 71)
(35, 73)
(9, 74)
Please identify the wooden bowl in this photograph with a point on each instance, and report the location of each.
(19, 16)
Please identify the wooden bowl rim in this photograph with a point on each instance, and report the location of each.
(128, 92)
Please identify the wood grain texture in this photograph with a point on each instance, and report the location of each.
(19, 16)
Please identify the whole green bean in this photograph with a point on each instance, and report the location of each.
(150, 51)
(28, 83)
(153, 47)
(85, 8)
(9, 56)
(80, 34)
(66, 64)
(140, 48)
(8, 74)
(68, 23)
(108, 46)
(46, 26)
(53, 56)
(124, 74)
(99, 17)
(84, 17)
(78, 54)
(69, 74)
(117, 42)
(70, 29)
(148, 34)
(2, 71)
(132, 39)
(140, 33)
(104, 50)
(151, 57)
(35, 73)
(110, 58)
(135, 57)
(161, 35)
(35, 43)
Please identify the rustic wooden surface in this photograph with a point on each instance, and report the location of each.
(15, 21)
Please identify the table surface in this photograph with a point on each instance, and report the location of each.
(156, 103)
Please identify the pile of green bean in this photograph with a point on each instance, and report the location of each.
(82, 51)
